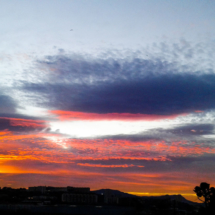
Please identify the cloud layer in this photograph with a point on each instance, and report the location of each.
(127, 82)
(130, 121)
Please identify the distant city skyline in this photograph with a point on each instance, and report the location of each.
(46, 189)
(113, 94)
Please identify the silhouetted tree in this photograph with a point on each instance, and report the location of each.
(203, 191)
(208, 194)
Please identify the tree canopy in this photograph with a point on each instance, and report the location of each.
(207, 193)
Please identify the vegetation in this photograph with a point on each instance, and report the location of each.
(208, 194)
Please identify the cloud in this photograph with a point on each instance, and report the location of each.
(7, 104)
(121, 86)
(160, 58)
(190, 132)
(162, 101)
(107, 166)
(193, 129)
(12, 121)
(71, 115)
(21, 125)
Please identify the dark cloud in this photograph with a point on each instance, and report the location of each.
(7, 104)
(81, 69)
(193, 129)
(12, 121)
(154, 135)
(21, 125)
(192, 133)
(179, 164)
(5, 124)
(164, 94)
(203, 163)
(122, 85)
(21, 116)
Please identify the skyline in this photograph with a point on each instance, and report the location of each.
(126, 100)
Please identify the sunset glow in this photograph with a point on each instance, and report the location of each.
(125, 101)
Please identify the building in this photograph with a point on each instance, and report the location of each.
(44, 189)
(41, 189)
(78, 189)
(80, 198)
(56, 189)
(110, 197)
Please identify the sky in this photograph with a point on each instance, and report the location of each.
(115, 94)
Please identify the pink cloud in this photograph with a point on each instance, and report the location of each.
(71, 115)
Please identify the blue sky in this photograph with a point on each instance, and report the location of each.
(122, 90)
(103, 24)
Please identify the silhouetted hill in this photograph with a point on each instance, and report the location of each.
(178, 198)
(114, 192)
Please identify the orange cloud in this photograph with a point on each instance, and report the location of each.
(46, 148)
(71, 115)
(25, 122)
(108, 166)
(41, 154)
